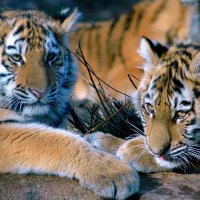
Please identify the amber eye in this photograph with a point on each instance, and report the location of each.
(51, 57)
(149, 108)
(16, 58)
(182, 114)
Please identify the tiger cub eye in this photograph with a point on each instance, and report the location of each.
(16, 58)
(149, 108)
(182, 114)
(51, 57)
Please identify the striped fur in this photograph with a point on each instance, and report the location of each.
(29, 36)
(37, 74)
(110, 47)
(168, 103)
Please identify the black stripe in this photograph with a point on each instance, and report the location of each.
(22, 91)
(175, 102)
(156, 79)
(185, 103)
(178, 83)
(110, 52)
(176, 89)
(28, 25)
(174, 64)
(185, 63)
(9, 79)
(196, 93)
(184, 52)
(112, 27)
(5, 65)
(127, 24)
(153, 87)
(188, 54)
(139, 18)
(89, 44)
(19, 40)
(67, 84)
(21, 96)
(2, 75)
(19, 30)
(11, 47)
(161, 7)
(98, 45)
(189, 45)
(9, 121)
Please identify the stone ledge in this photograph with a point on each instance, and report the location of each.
(32, 187)
(169, 185)
(165, 186)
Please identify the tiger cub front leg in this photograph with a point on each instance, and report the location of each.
(40, 149)
(105, 142)
(135, 153)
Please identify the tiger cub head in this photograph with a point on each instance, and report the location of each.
(168, 101)
(37, 70)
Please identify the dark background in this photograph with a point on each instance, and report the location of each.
(92, 10)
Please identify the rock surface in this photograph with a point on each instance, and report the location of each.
(166, 185)
(32, 187)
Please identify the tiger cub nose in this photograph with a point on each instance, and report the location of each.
(38, 94)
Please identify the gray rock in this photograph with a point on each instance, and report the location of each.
(166, 185)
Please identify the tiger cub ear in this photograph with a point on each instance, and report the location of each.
(150, 50)
(67, 18)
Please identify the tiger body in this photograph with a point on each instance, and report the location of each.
(167, 102)
(110, 47)
(37, 74)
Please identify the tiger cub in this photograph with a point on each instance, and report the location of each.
(37, 74)
(110, 46)
(168, 103)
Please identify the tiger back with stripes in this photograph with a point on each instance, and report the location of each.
(110, 47)
(37, 74)
(168, 103)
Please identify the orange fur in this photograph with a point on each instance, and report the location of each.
(37, 75)
(168, 103)
(111, 47)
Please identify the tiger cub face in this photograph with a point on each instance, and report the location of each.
(168, 101)
(37, 70)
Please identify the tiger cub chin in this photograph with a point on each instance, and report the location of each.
(168, 104)
(37, 74)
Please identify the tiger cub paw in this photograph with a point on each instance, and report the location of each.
(104, 141)
(111, 178)
(134, 153)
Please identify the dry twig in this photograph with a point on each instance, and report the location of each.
(109, 115)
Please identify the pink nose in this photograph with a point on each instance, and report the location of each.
(38, 94)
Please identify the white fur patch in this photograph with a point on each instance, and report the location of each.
(36, 110)
(165, 163)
